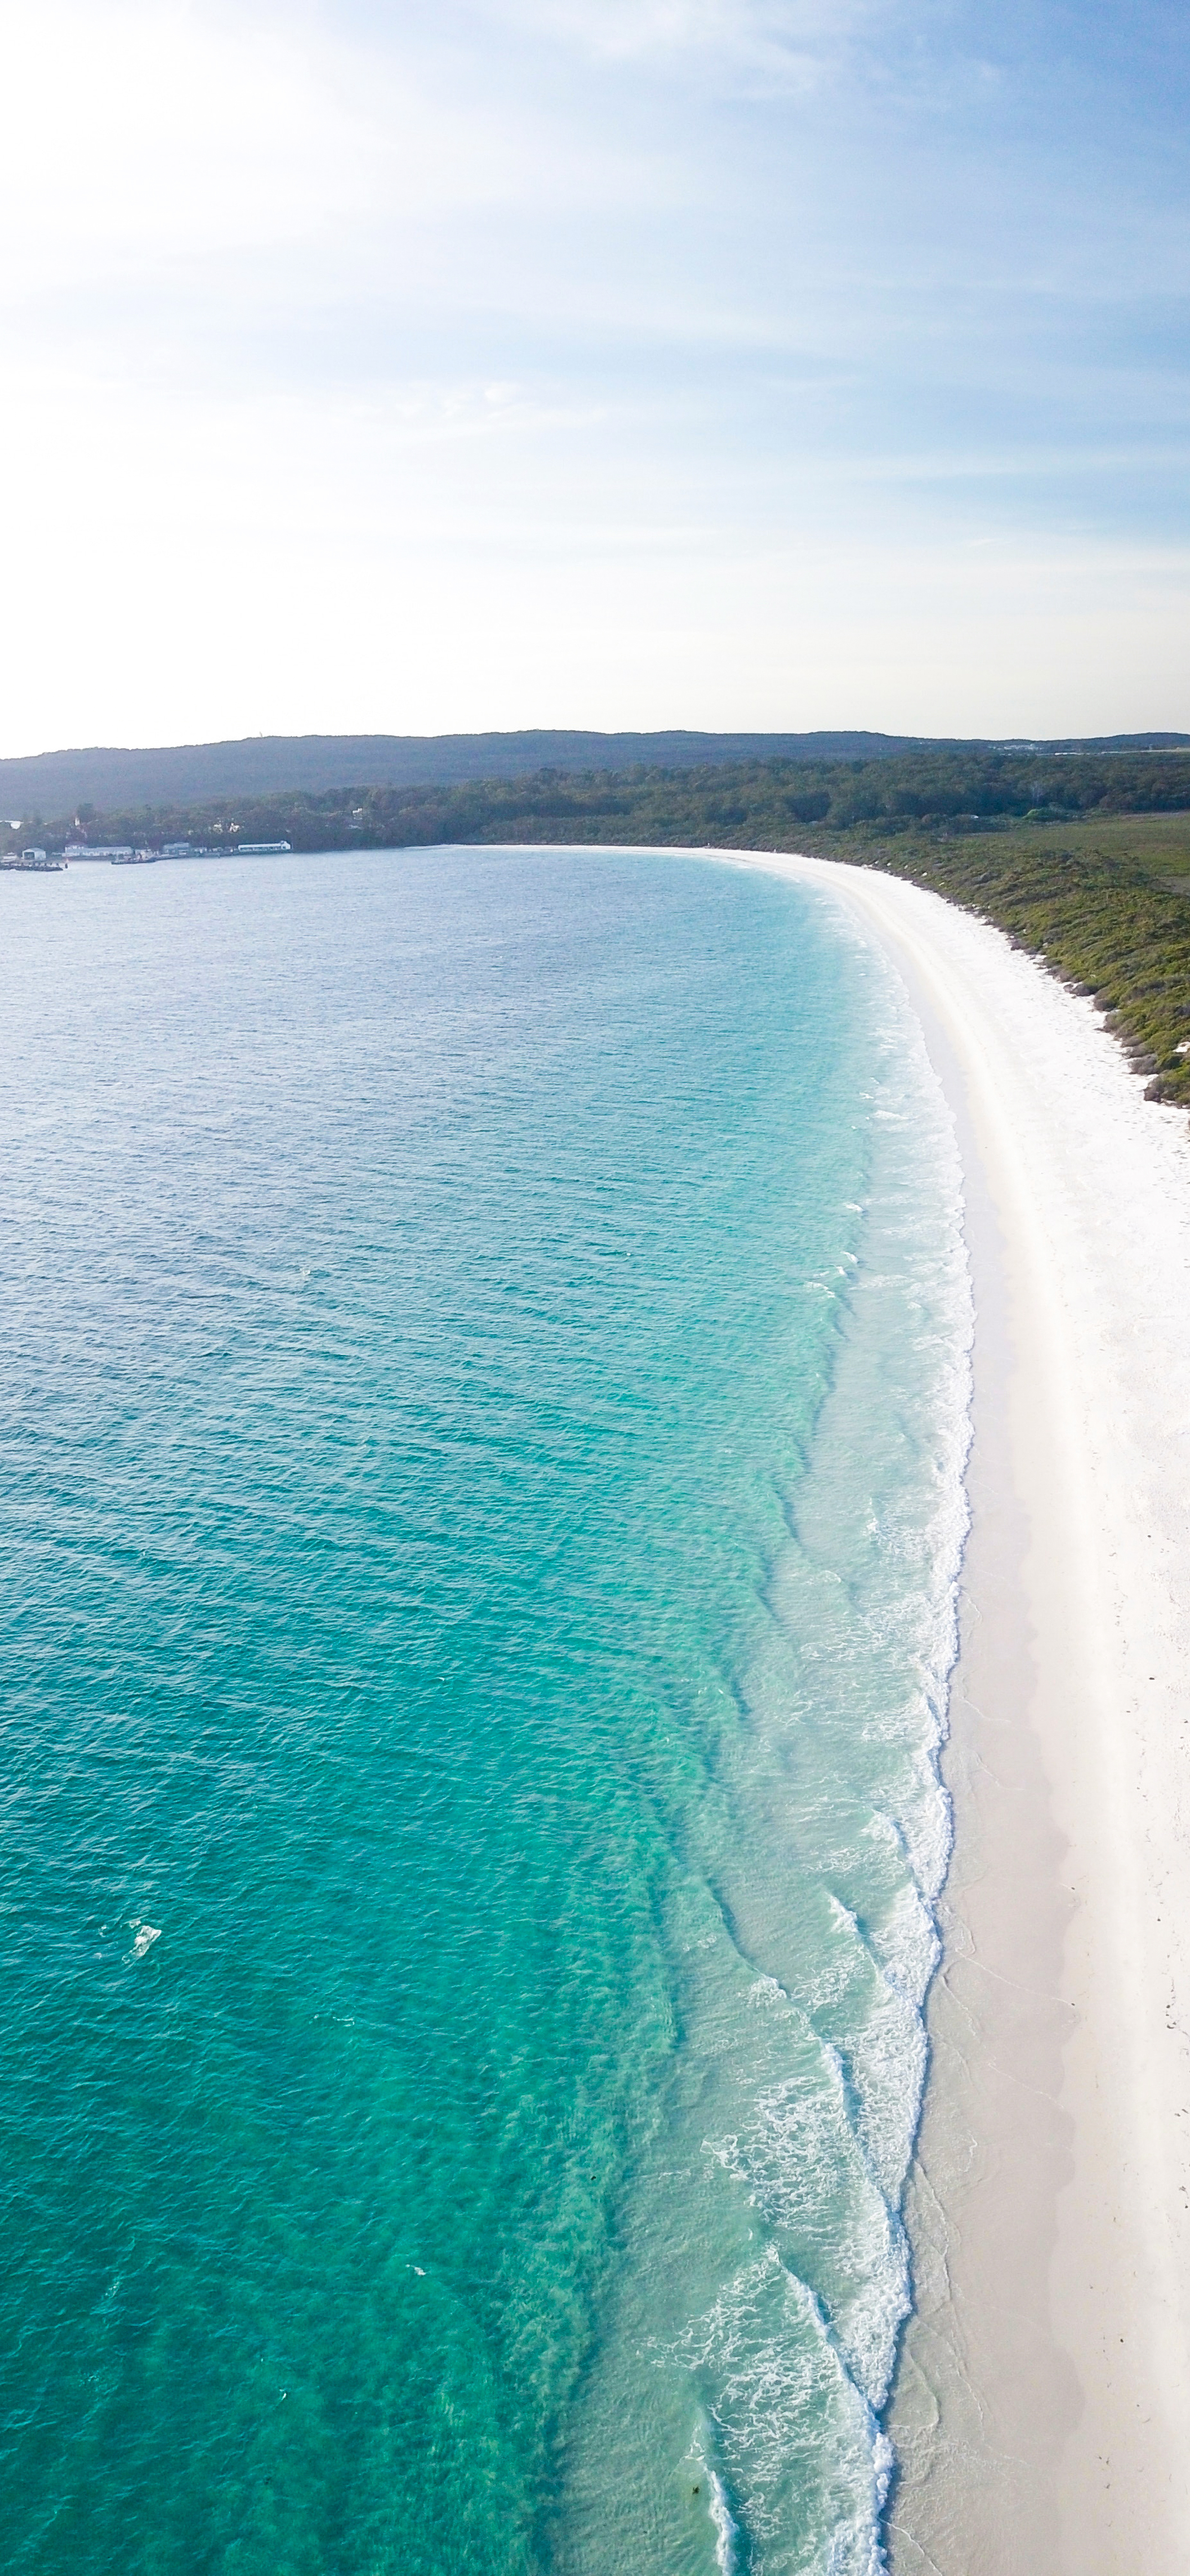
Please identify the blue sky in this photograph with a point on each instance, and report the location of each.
(612, 362)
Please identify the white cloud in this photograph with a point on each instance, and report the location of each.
(145, 134)
(790, 44)
(138, 130)
(531, 360)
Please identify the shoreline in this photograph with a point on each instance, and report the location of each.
(1045, 2374)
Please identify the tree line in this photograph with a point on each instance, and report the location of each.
(765, 803)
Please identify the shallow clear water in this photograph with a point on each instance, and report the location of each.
(482, 1424)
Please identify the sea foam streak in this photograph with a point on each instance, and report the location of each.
(726, 2534)
(863, 1640)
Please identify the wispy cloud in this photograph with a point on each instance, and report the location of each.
(404, 321)
(792, 43)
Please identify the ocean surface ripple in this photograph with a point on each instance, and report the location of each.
(484, 1410)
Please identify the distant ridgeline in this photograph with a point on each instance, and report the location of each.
(1079, 850)
(188, 775)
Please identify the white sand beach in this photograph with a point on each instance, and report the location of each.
(1043, 2402)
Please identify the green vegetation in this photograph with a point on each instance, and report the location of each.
(1081, 856)
(1106, 904)
(749, 803)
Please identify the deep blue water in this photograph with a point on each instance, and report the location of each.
(481, 1417)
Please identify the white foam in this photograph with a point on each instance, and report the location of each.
(874, 1596)
(723, 2523)
(782, 2386)
(804, 2162)
(726, 2531)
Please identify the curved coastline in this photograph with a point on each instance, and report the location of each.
(1045, 2375)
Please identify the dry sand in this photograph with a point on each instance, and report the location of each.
(1042, 2412)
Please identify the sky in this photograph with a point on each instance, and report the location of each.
(483, 363)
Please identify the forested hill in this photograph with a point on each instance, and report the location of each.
(768, 804)
(316, 764)
(319, 764)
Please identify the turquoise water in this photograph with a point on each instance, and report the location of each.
(482, 1426)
